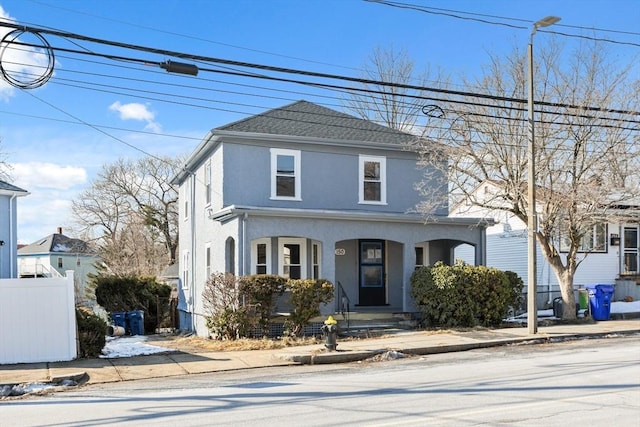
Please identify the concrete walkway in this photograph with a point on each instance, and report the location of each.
(94, 371)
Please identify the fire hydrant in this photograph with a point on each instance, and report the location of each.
(330, 332)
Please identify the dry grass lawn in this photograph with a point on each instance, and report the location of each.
(194, 343)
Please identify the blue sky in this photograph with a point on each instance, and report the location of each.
(50, 135)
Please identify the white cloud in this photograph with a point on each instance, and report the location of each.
(136, 111)
(32, 175)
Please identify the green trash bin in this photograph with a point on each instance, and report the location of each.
(583, 298)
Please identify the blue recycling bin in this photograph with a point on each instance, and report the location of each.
(136, 322)
(121, 319)
(600, 297)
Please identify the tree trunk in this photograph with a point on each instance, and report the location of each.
(568, 297)
(564, 274)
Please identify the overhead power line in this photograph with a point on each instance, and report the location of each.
(264, 67)
(242, 73)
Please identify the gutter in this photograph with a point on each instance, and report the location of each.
(233, 211)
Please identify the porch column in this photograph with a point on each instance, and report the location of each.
(328, 271)
(480, 247)
(408, 267)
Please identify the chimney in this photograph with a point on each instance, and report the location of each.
(59, 230)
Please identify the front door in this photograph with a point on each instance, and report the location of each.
(372, 289)
(630, 249)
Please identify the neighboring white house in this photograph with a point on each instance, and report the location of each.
(8, 229)
(56, 253)
(304, 191)
(612, 257)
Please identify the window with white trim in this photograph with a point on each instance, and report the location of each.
(372, 176)
(207, 184)
(316, 257)
(422, 255)
(594, 240)
(285, 174)
(185, 269)
(261, 256)
(185, 196)
(207, 252)
(292, 256)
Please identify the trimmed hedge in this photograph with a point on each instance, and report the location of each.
(464, 295)
(306, 295)
(234, 305)
(259, 293)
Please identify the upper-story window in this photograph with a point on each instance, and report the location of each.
(373, 176)
(207, 183)
(285, 174)
(186, 195)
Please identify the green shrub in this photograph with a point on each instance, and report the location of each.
(258, 293)
(226, 317)
(131, 293)
(92, 332)
(464, 295)
(306, 295)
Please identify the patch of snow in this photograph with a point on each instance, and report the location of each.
(625, 307)
(60, 248)
(20, 389)
(117, 347)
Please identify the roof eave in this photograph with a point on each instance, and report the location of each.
(233, 211)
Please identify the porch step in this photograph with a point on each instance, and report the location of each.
(374, 323)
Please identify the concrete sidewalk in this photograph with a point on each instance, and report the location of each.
(94, 371)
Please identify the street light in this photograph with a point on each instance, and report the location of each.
(532, 310)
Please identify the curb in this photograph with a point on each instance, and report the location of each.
(78, 377)
(347, 356)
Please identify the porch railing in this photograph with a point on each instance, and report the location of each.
(344, 305)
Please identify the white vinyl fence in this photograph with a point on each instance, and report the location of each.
(37, 320)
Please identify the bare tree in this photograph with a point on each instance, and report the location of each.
(587, 150)
(395, 104)
(131, 211)
(4, 166)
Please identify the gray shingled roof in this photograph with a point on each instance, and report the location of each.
(303, 118)
(10, 187)
(57, 243)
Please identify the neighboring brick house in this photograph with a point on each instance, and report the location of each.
(304, 191)
(9, 194)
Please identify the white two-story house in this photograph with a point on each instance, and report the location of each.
(304, 191)
(610, 254)
(9, 194)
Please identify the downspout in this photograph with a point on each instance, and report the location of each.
(192, 285)
(483, 243)
(242, 243)
(13, 246)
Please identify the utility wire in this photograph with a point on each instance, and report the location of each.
(183, 55)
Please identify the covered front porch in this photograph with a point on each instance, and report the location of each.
(369, 258)
(373, 275)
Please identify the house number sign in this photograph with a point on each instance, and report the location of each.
(340, 251)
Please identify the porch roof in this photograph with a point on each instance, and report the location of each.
(233, 211)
